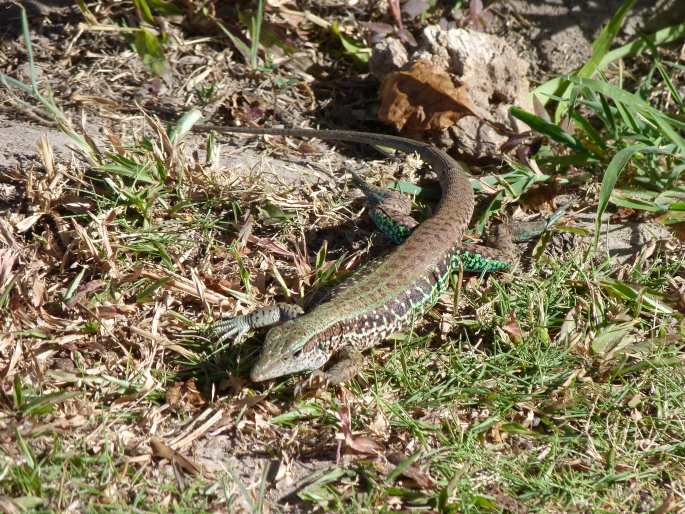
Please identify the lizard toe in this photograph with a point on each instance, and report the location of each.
(229, 328)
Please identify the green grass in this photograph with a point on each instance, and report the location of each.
(556, 387)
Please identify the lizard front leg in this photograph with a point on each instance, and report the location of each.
(237, 327)
(345, 369)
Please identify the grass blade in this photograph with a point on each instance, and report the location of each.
(554, 132)
(617, 164)
(600, 47)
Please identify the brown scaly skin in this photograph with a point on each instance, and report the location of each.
(382, 300)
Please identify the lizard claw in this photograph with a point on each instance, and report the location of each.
(308, 386)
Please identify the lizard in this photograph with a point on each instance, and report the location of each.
(386, 296)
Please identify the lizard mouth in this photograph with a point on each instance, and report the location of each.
(268, 368)
(260, 373)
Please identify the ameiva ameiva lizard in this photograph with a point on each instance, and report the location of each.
(385, 297)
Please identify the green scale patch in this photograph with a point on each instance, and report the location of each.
(476, 263)
(395, 231)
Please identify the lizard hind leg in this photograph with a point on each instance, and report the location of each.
(390, 210)
(501, 253)
(345, 369)
(499, 256)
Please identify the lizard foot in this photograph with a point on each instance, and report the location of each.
(345, 369)
(235, 328)
(309, 385)
(342, 371)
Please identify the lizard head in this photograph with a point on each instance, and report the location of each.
(289, 348)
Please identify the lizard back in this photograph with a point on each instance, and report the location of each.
(385, 299)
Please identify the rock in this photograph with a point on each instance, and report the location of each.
(388, 55)
(623, 241)
(484, 66)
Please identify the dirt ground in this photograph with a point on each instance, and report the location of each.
(555, 36)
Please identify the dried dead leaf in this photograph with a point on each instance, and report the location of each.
(411, 470)
(540, 198)
(161, 450)
(110, 311)
(17, 354)
(10, 505)
(84, 237)
(185, 392)
(380, 425)
(507, 503)
(414, 8)
(174, 282)
(37, 291)
(359, 444)
(423, 99)
(396, 12)
(7, 259)
(667, 505)
(78, 205)
(513, 329)
(28, 222)
(477, 17)
(83, 292)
